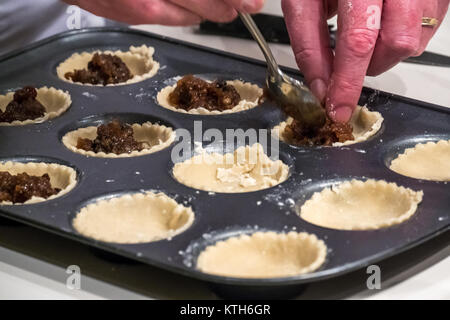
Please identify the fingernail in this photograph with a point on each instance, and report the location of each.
(249, 6)
(343, 114)
(319, 89)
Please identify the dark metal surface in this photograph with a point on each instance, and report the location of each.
(406, 122)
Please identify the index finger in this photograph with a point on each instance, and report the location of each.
(358, 27)
(310, 40)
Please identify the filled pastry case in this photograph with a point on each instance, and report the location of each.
(321, 212)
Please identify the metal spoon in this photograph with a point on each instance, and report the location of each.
(292, 96)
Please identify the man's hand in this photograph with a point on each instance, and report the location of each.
(168, 12)
(361, 47)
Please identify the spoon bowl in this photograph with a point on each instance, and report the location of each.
(296, 100)
(293, 97)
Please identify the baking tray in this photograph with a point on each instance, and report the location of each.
(218, 216)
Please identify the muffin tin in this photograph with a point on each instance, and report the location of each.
(217, 216)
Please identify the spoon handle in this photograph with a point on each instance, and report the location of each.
(256, 33)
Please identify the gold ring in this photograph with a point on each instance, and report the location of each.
(429, 22)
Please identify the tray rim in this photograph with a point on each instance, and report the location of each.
(260, 282)
(193, 45)
(194, 273)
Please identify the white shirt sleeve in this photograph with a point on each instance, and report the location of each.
(26, 21)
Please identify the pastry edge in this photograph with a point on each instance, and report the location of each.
(398, 163)
(216, 157)
(27, 167)
(415, 198)
(162, 100)
(375, 127)
(269, 236)
(162, 129)
(48, 115)
(150, 195)
(141, 52)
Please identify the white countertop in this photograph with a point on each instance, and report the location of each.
(33, 263)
